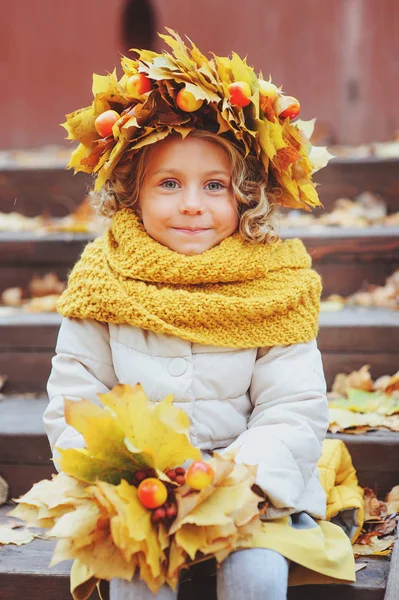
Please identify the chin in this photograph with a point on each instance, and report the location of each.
(191, 249)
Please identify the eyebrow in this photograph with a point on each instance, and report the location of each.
(177, 172)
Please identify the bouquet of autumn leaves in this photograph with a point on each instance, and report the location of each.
(124, 504)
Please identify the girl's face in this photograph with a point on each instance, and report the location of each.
(186, 201)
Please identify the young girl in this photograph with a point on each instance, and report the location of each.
(191, 293)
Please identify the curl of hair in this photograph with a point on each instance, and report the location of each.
(254, 199)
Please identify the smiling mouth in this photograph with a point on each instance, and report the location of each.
(190, 230)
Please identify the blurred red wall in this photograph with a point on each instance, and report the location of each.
(340, 57)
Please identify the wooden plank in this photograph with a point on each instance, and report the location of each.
(341, 244)
(346, 279)
(20, 478)
(375, 458)
(52, 191)
(29, 331)
(381, 364)
(22, 435)
(25, 371)
(21, 276)
(346, 178)
(392, 588)
(19, 248)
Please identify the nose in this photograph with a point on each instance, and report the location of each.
(191, 202)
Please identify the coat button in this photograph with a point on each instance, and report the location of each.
(177, 366)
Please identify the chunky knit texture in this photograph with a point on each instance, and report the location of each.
(237, 294)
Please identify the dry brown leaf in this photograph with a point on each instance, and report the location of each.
(42, 304)
(376, 547)
(360, 379)
(47, 285)
(3, 379)
(372, 506)
(12, 296)
(393, 384)
(386, 527)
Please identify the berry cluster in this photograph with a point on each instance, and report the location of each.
(158, 496)
(177, 475)
(139, 476)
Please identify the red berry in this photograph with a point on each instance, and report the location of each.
(140, 475)
(171, 474)
(180, 479)
(151, 473)
(158, 515)
(171, 511)
(180, 471)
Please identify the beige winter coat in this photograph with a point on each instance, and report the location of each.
(269, 402)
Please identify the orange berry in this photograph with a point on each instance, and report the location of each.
(199, 475)
(138, 84)
(187, 102)
(239, 93)
(105, 122)
(267, 89)
(152, 492)
(287, 106)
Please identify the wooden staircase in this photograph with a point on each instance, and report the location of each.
(348, 339)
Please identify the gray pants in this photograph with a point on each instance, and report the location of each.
(254, 574)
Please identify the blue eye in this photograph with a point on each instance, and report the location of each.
(214, 186)
(169, 184)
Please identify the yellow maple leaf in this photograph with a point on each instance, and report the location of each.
(130, 433)
(147, 429)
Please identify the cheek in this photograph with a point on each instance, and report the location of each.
(227, 215)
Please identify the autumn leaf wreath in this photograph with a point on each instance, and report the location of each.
(125, 505)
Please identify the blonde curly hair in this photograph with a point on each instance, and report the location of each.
(255, 199)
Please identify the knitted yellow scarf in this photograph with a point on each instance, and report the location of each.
(237, 294)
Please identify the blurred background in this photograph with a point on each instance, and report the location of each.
(340, 58)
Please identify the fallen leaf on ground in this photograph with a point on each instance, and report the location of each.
(360, 566)
(3, 491)
(46, 285)
(363, 211)
(12, 296)
(3, 379)
(358, 404)
(373, 507)
(16, 536)
(392, 500)
(376, 547)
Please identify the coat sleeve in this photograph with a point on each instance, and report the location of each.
(288, 422)
(81, 368)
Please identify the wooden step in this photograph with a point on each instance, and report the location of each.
(345, 258)
(56, 191)
(23, 255)
(25, 455)
(347, 339)
(24, 572)
(348, 258)
(348, 177)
